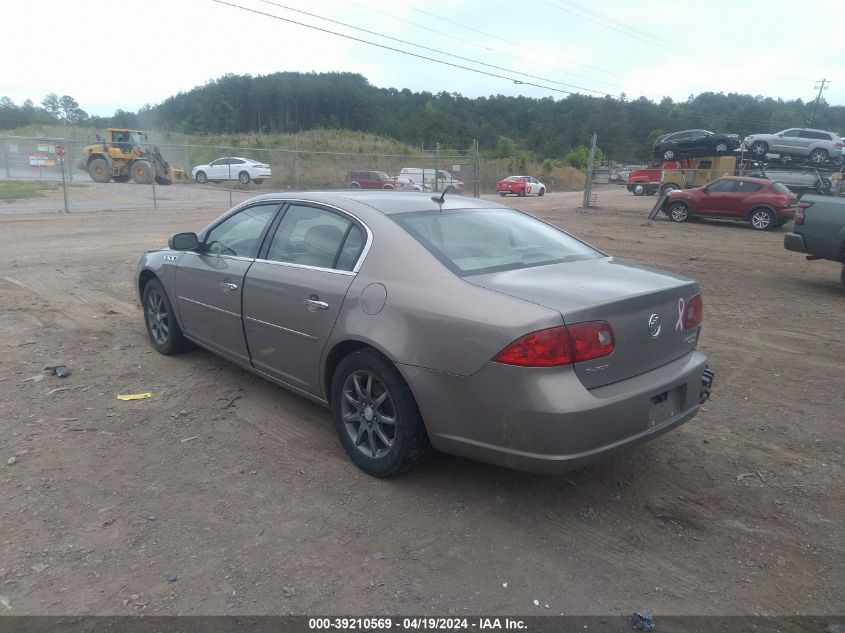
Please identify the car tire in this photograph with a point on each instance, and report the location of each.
(244, 178)
(201, 177)
(819, 155)
(678, 212)
(521, 193)
(258, 181)
(759, 148)
(669, 186)
(721, 147)
(367, 391)
(99, 170)
(142, 172)
(762, 219)
(638, 189)
(541, 193)
(669, 154)
(823, 186)
(162, 326)
(502, 193)
(355, 185)
(389, 187)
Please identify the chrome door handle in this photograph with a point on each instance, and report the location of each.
(228, 287)
(314, 304)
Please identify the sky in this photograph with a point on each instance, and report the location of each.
(124, 57)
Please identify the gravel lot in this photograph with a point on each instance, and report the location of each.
(223, 494)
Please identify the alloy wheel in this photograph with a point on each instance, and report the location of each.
(157, 318)
(679, 212)
(369, 414)
(761, 219)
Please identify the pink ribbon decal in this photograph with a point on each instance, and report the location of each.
(679, 325)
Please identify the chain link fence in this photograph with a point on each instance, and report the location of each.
(50, 174)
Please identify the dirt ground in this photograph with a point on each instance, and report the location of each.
(224, 494)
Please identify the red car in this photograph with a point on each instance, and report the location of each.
(762, 203)
(521, 186)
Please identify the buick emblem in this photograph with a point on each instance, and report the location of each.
(654, 325)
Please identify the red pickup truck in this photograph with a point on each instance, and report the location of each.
(646, 181)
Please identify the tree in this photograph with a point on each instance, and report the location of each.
(68, 106)
(52, 105)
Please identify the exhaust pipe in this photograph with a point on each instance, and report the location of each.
(708, 376)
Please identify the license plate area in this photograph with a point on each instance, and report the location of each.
(665, 406)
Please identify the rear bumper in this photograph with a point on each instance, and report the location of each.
(545, 420)
(794, 242)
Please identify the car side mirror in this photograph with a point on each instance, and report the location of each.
(183, 242)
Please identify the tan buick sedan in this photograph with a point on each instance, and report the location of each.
(449, 323)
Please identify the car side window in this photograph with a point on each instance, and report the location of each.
(312, 237)
(792, 133)
(352, 247)
(219, 161)
(747, 187)
(240, 234)
(236, 161)
(722, 186)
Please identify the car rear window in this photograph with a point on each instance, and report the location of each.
(480, 241)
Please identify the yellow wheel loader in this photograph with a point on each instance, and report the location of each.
(122, 157)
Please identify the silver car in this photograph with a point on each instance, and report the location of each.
(455, 323)
(818, 146)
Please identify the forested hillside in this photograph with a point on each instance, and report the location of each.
(547, 128)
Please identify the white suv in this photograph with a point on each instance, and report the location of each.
(818, 146)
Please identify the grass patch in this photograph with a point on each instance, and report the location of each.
(12, 190)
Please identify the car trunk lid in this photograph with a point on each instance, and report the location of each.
(624, 294)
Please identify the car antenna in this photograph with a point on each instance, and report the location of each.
(440, 199)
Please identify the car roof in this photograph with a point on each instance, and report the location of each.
(761, 181)
(385, 201)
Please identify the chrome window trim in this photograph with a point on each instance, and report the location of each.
(237, 258)
(334, 271)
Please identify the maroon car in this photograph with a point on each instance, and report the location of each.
(762, 203)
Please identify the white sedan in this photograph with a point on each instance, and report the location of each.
(232, 168)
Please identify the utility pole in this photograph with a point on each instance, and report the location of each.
(821, 86)
(588, 186)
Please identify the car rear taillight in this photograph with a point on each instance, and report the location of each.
(693, 312)
(800, 212)
(563, 345)
(591, 340)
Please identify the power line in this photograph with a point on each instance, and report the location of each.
(434, 50)
(640, 34)
(498, 37)
(478, 45)
(516, 80)
(391, 48)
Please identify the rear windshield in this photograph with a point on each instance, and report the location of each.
(780, 187)
(479, 241)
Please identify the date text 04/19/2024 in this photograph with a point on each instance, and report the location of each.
(416, 624)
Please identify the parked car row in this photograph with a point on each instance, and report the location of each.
(804, 144)
(409, 179)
